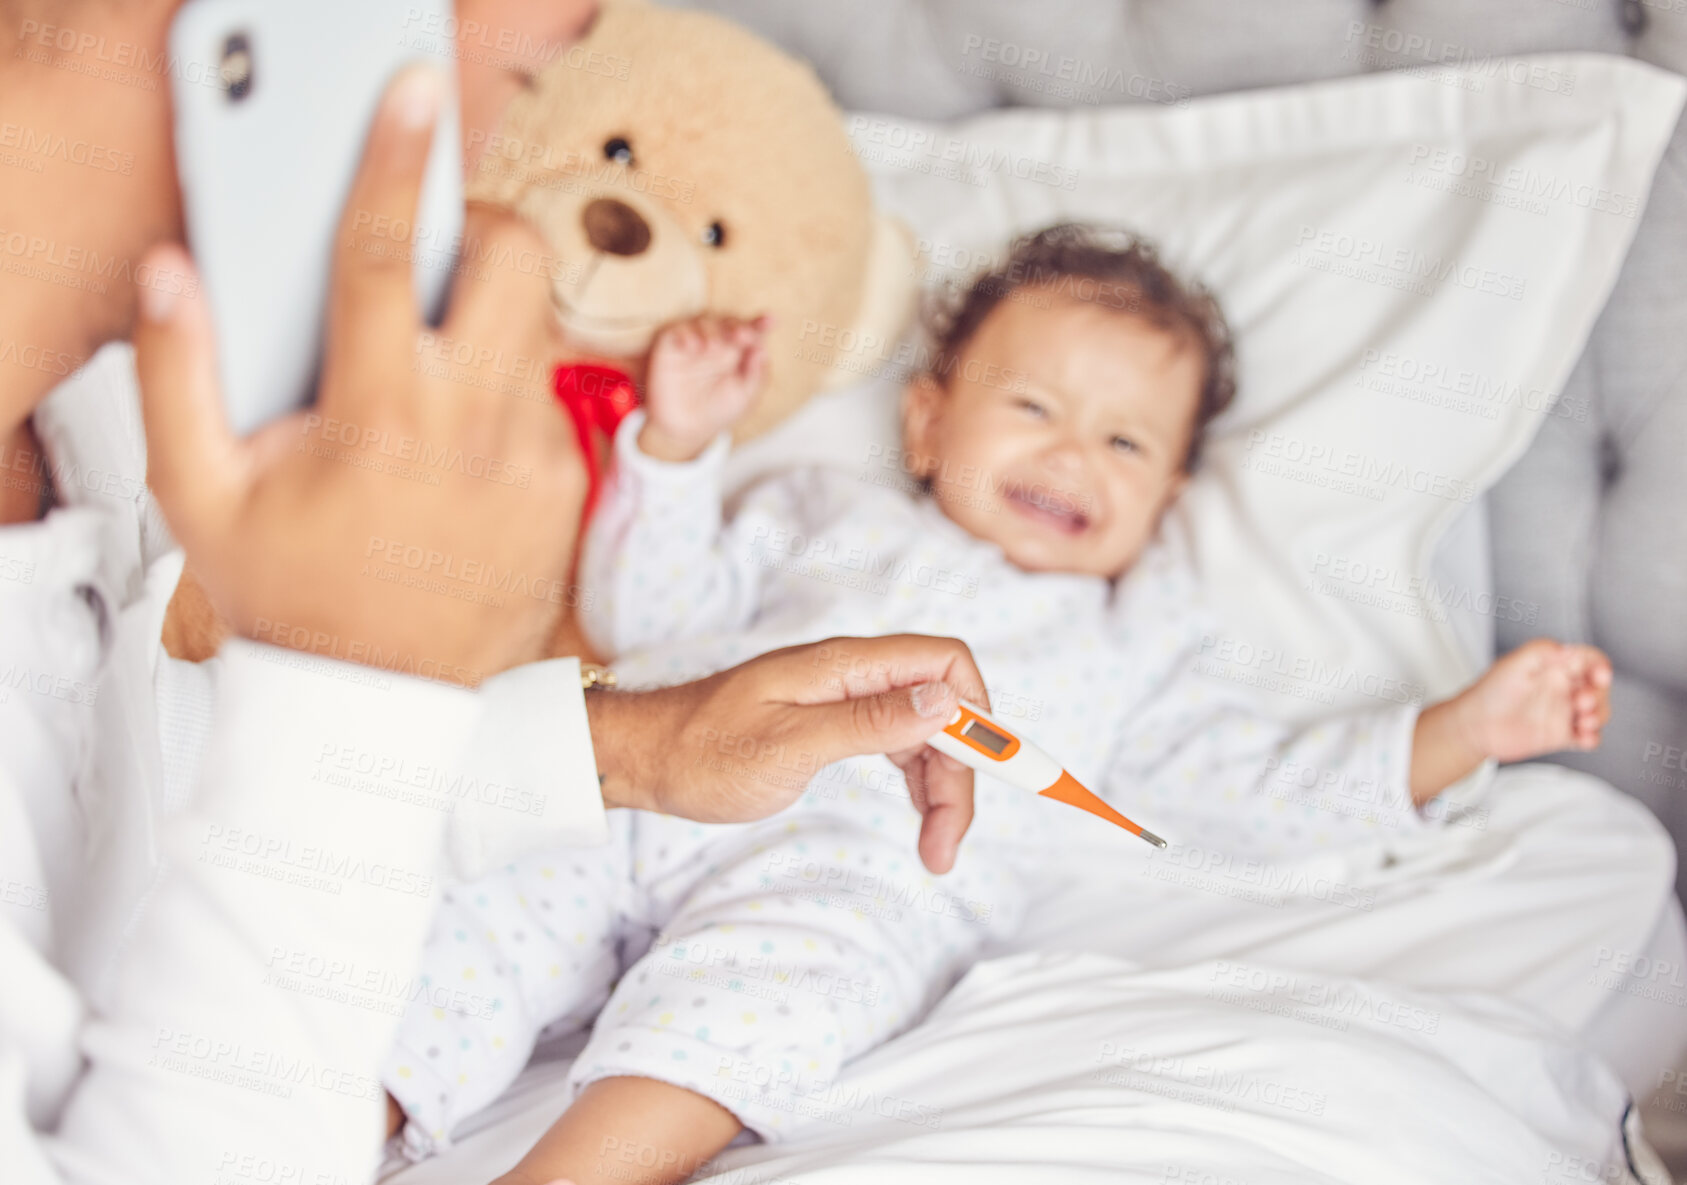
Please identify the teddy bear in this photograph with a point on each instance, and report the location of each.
(677, 164)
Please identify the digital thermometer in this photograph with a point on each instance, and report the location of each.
(974, 739)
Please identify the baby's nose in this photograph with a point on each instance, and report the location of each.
(1065, 455)
(615, 227)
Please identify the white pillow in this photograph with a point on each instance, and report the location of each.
(1411, 262)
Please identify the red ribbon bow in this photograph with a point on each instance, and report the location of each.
(597, 398)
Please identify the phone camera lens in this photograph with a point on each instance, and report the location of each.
(236, 69)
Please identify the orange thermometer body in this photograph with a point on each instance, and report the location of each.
(974, 739)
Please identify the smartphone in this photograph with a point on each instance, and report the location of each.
(273, 104)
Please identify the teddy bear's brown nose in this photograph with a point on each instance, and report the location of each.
(615, 227)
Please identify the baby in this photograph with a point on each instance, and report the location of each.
(732, 970)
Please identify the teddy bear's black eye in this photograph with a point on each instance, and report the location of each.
(715, 235)
(618, 150)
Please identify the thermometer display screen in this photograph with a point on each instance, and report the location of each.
(989, 738)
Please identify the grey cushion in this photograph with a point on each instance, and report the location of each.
(1590, 526)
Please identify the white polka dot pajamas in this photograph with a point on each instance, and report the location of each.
(531, 949)
(758, 959)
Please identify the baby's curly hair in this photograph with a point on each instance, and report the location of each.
(1114, 269)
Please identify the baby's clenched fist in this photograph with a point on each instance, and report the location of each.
(704, 374)
(1540, 698)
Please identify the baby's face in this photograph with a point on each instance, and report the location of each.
(1060, 433)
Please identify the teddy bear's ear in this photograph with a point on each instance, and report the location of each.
(889, 293)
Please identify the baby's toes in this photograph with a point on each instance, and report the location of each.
(1587, 728)
(1588, 664)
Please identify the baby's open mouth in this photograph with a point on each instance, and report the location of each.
(1053, 509)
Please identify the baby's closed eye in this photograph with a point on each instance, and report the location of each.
(1124, 444)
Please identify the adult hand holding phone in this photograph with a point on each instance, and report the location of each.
(292, 529)
(366, 527)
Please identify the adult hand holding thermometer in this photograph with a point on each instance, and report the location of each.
(981, 743)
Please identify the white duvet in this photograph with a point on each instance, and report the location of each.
(1082, 1068)
(1077, 1068)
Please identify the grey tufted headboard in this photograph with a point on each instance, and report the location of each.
(1589, 530)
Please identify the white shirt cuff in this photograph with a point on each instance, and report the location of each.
(532, 772)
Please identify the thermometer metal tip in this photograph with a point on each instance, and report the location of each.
(1072, 792)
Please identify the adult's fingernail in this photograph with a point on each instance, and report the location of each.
(157, 303)
(936, 698)
(170, 276)
(417, 96)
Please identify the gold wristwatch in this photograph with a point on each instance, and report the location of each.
(595, 674)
